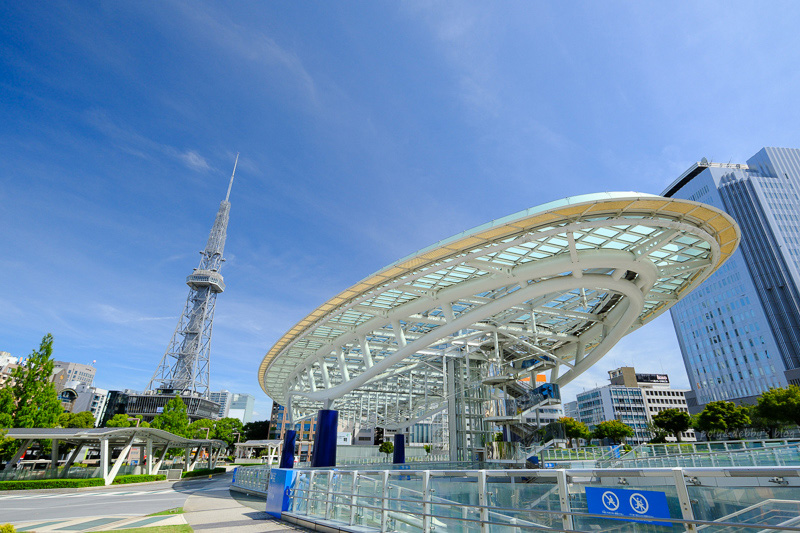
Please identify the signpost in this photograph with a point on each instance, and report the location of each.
(625, 504)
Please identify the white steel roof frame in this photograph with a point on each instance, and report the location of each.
(646, 279)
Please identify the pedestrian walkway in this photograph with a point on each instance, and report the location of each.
(100, 523)
(205, 512)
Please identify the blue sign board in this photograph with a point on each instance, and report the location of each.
(549, 465)
(628, 503)
(280, 483)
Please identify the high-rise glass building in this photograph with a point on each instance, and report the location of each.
(242, 407)
(739, 332)
(223, 398)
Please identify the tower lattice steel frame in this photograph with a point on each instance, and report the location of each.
(185, 367)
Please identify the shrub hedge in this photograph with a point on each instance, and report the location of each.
(144, 478)
(50, 484)
(203, 472)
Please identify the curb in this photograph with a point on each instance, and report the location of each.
(69, 490)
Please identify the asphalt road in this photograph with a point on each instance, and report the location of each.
(121, 500)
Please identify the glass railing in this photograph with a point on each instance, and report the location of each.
(252, 478)
(774, 455)
(729, 500)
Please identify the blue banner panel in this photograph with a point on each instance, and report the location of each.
(287, 455)
(628, 503)
(280, 483)
(399, 449)
(324, 453)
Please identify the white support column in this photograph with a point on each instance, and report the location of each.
(54, 454)
(687, 513)
(20, 452)
(157, 465)
(563, 498)
(148, 453)
(311, 381)
(196, 458)
(343, 366)
(123, 456)
(399, 335)
(326, 379)
(366, 353)
(187, 458)
(105, 456)
(71, 459)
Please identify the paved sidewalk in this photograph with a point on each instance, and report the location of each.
(219, 513)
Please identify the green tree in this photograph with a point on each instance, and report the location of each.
(721, 416)
(573, 429)
(226, 427)
(614, 430)
(6, 408)
(427, 449)
(37, 404)
(780, 405)
(255, 430)
(84, 419)
(387, 448)
(197, 429)
(119, 421)
(673, 420)
(174, 418)
(770, 425)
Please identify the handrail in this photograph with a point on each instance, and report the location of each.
(308, 498)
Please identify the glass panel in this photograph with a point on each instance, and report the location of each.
(516, 498)
(711, 502)
(299, 503)
(405, 515)
(318, 494)
(458, 488)
(369, 488)
(341, 487)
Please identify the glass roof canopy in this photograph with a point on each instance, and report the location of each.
(557, 285)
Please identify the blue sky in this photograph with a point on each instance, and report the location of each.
(367, 130)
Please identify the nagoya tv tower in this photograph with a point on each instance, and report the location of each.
(185, 368)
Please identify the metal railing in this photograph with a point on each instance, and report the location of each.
(787, 455)
(528, 500)
(588, 453)
(677, 448)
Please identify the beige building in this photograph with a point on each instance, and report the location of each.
(657, 392)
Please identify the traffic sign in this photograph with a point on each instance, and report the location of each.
(628, 503)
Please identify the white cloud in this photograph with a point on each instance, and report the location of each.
(194, 161)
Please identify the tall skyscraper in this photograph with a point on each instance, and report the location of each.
(223, 398)
(242, 407)
(739, 332)
(186, 365)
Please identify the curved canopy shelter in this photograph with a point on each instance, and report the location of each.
(549, 290)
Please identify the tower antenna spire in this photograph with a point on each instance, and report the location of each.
(232, 175)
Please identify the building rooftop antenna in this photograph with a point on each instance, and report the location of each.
(232, 175)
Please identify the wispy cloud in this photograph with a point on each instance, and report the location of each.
(141, 146)
(112, 314)
(194, 160)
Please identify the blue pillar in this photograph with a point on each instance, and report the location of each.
(324, 453)
(399, 449)
(287, 455)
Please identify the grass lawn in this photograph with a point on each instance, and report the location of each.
(155, 529)
(176, 510)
